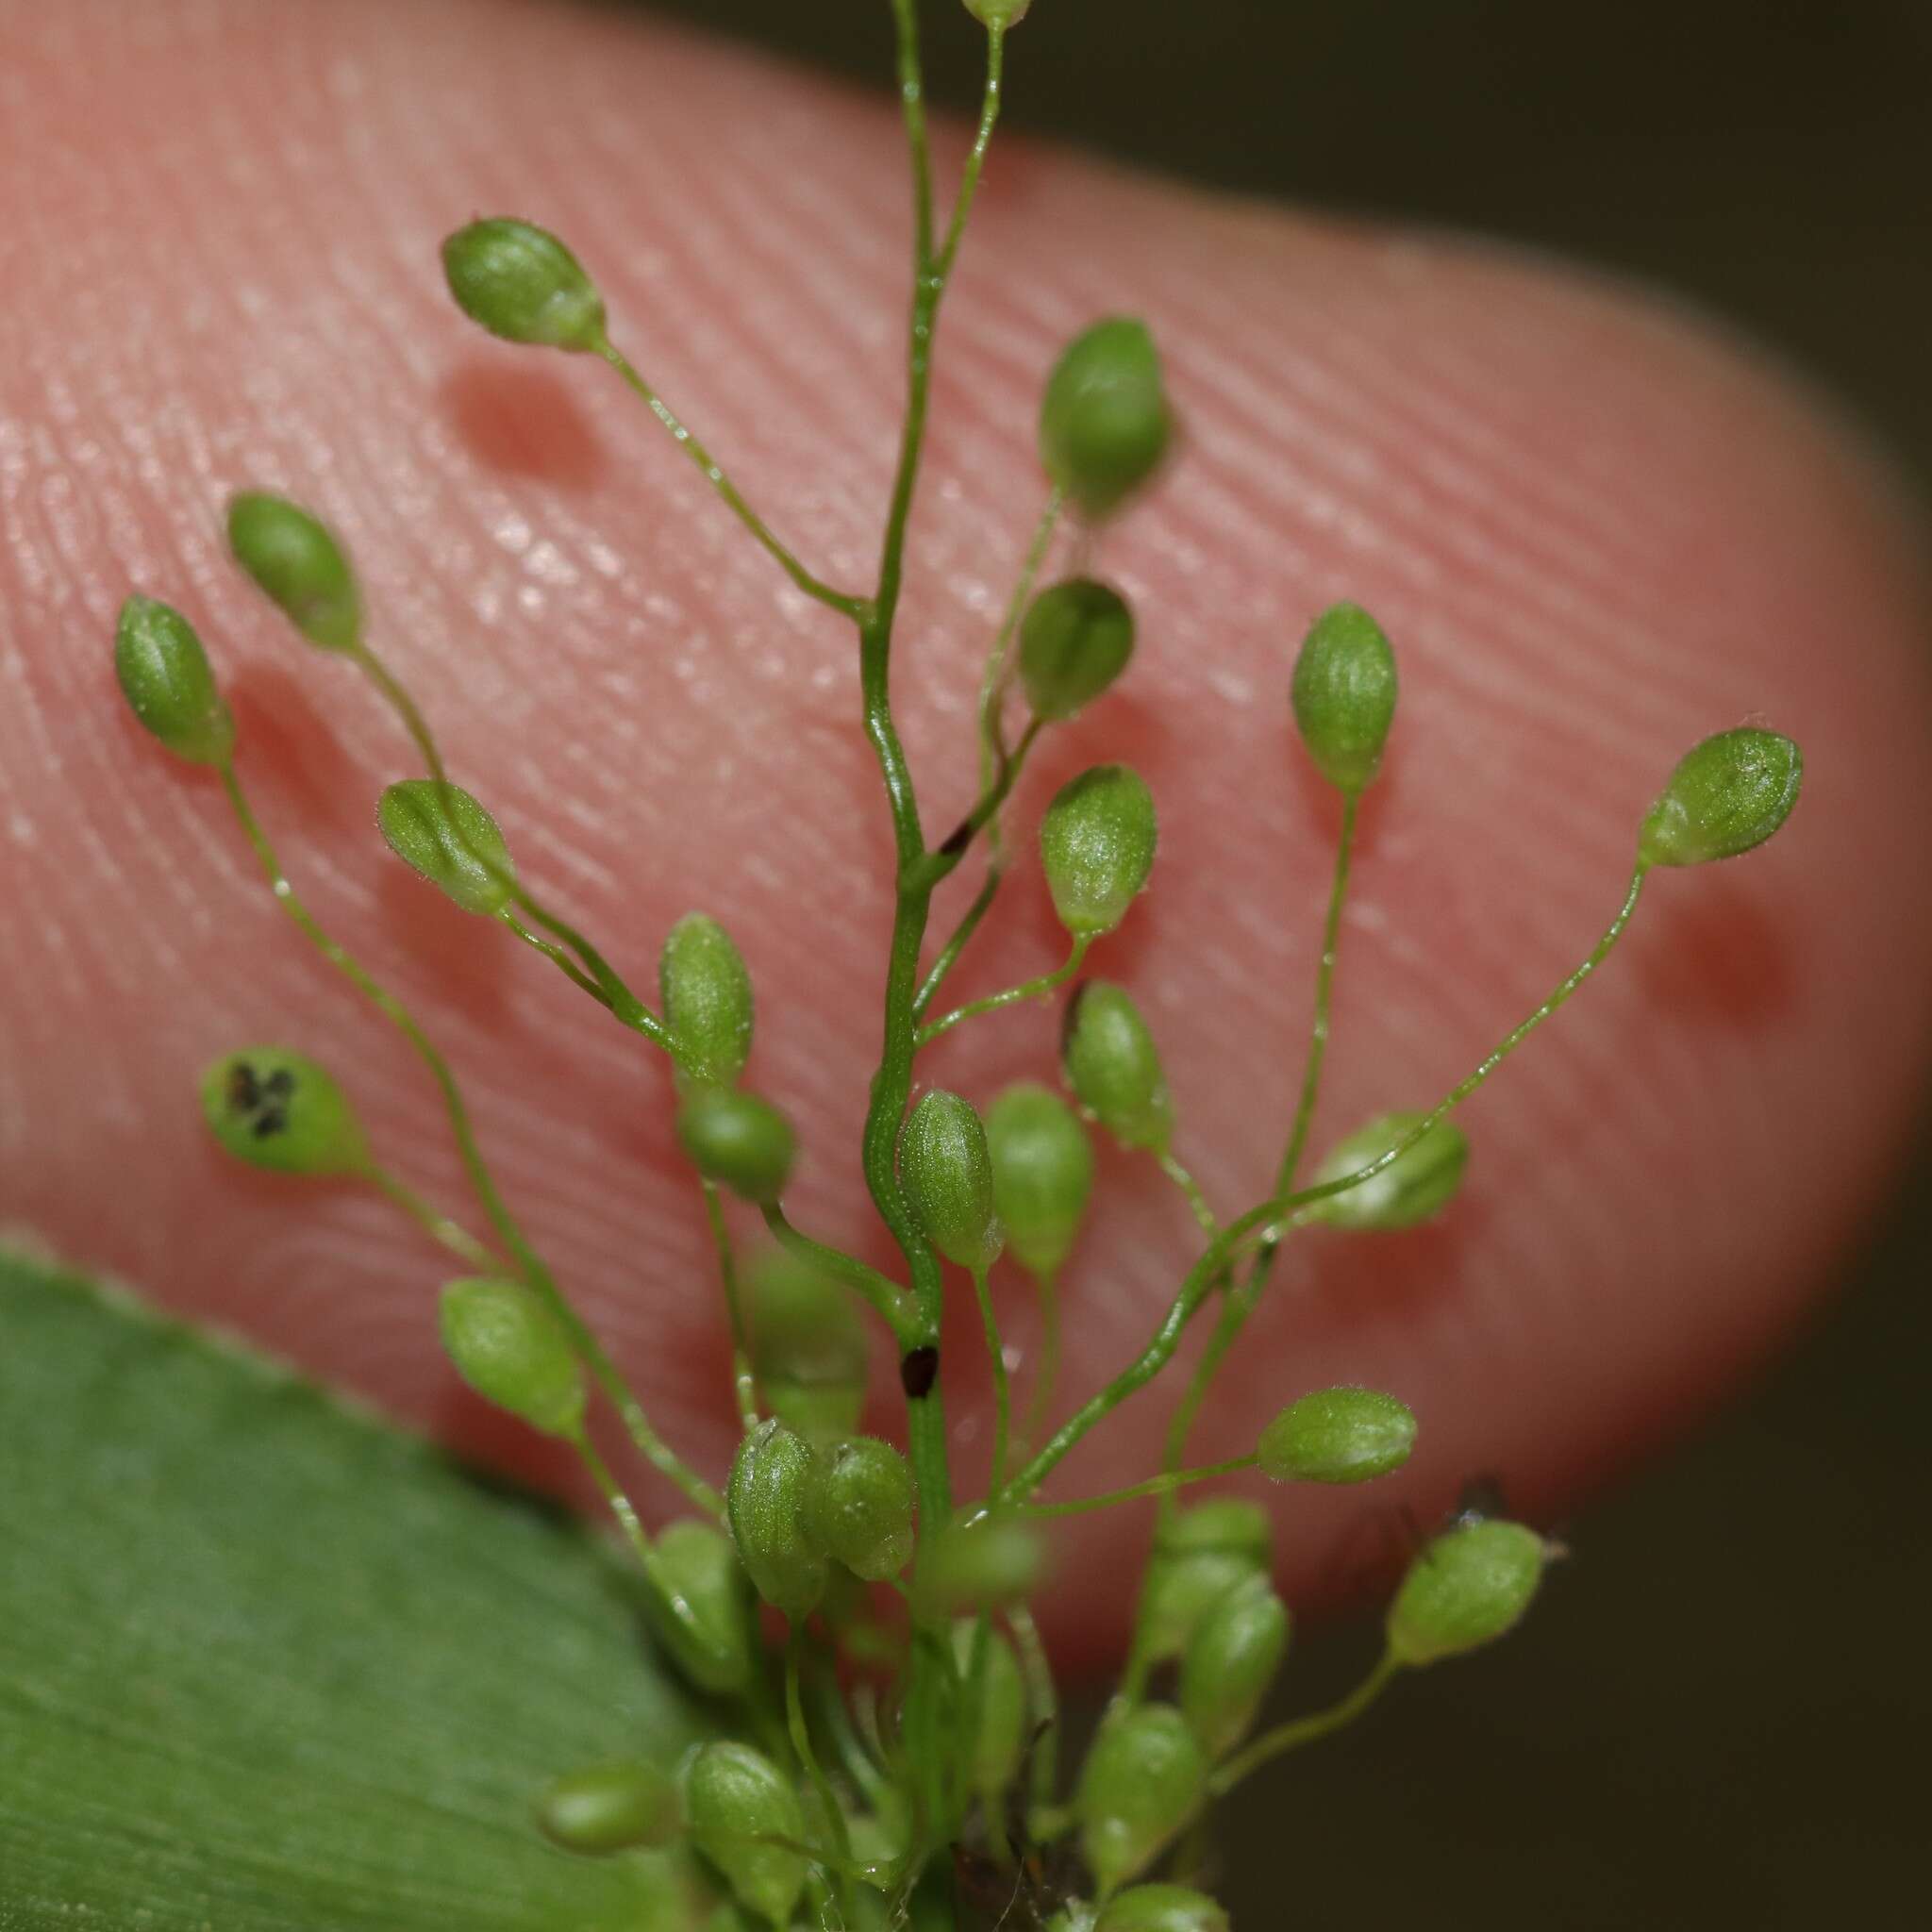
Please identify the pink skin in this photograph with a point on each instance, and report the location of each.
(1595, 527)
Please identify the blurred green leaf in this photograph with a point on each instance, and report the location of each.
(268, 1665)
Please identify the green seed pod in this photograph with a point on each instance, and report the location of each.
(610, 1807)
(735, 1796)
(1001, 1734)
(766, 1500)
(1338, 1436)
(1142, 1782)
(1096, 843)
(165, 677)
(858, 1507)
(809, 1348)
(1230, 1661)
(295, 559)
(1104, 422)
(1409, 1190)
(739, 1141)
(1042, 1174)
(273, 1108)
(1343, 695)
(998, 13)
(1113, 1067)
(520, 282)
(947, 1174)
(1201, 1556)
(1162, 1909)
(706, 997)
(1076, 639)
(979, 1566)
(1466, 1588)
(700, 1606)
(512, 1351)
(455, 844)
(1729, 794)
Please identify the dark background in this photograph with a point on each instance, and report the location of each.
(1718, 1715)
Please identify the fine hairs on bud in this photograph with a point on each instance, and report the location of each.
(1465, 1588)
(169, 686)
(1727, 796)
(520, 282)
(745, 1817)
(947, 1174)
(1343, 695)
(1096, 847)
(707, 1001)
(1338, 1436)
(451, 840)
(1113, 1067)
(766, 1497)
(1043, 1175)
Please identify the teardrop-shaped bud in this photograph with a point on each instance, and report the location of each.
(737, 1801)
(1729, 794)
(622, 1807)
(947, 1174)
(1338, 1436)
(700, 1607)
(169, 686)
(1000, 1734)
(1143, 1780)
(273, 1108)
(810, 1352)
(296, 558)
(1231, 1661)
(1104, 421)
(766, 1500)
(520, 282)
(859, 1506)
(1419, 1183)
(1161, 1909)
(978, 1566)
(451, 840)
(512, 1351)
(1074, 640)
(1042, 1174)
(1198, 1558)
(1466, 1588)
(706, 997)
(1096, 846)
(739, 1141)
(1343, 695)
(1113, 1067)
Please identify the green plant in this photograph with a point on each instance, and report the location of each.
(807, 1805)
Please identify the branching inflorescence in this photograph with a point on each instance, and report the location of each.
(906, 1731)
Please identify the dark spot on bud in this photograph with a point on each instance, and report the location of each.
(262, 1105)
(918, 1369)
(245, 1090)
(957, 840)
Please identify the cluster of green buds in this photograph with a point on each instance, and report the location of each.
(828, 1811)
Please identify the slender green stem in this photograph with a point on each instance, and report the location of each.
(1151, 1360)
(529, 1265)
(1242, 1301)
(949, 954)
(614, 1494)
(813, 586)
(1190, 1189)
(975, 160)
(994, 681)
(606, 984)
(884, 1294)
(1046, 1377)
(1002, 1391)
(743, 1387)
(1303, 1197)
(943, 860)
(809, 1758)
(1160, 1485)
(437, 1225)
(1304, 1730)
(858, 1763)
(1031, 990)
(556, 955)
